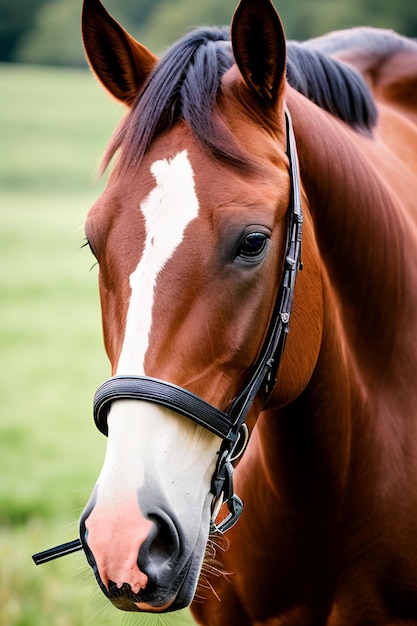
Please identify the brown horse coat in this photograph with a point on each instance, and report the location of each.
(329, 479)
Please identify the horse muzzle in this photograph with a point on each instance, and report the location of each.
(142, 562)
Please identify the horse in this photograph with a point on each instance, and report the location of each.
(257, 252)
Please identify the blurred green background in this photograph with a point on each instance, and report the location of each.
(47, 31)
(54, 125)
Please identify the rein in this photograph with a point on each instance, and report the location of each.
(229, 426)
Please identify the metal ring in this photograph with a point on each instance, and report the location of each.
(241, 443)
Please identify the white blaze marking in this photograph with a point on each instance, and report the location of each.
(168, 210)
(145, 438)
(139, 432)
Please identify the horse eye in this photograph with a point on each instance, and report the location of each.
(252, 247)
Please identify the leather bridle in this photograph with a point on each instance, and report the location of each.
(228, 425)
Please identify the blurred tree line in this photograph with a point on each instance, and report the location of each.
(48, 32)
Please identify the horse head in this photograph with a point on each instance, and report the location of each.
(190, 236)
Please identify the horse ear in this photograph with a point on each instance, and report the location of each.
(120, 62)
(259, 48)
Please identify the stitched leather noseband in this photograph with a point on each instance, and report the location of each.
(230, 425)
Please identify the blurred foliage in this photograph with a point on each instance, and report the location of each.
(55, 38)
(16, 18)
(47, 31)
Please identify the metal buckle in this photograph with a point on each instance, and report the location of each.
(241, 442)
(222, 485)
(235, 506)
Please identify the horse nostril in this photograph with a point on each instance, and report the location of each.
(161, 548)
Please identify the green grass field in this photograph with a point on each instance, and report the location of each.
(54, 125)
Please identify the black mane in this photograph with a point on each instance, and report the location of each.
(332, 85)
(186, 81)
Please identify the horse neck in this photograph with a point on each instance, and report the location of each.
(306, 446)
(334, 435)
(366, 243)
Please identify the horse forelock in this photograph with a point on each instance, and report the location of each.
(184, 86)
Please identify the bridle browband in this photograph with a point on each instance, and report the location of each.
(228, 425)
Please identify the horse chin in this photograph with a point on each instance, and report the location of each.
(140, 607)
(181, 601)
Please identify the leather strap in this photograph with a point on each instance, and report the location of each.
(161, 392)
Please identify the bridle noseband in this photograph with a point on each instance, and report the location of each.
(228, 425)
